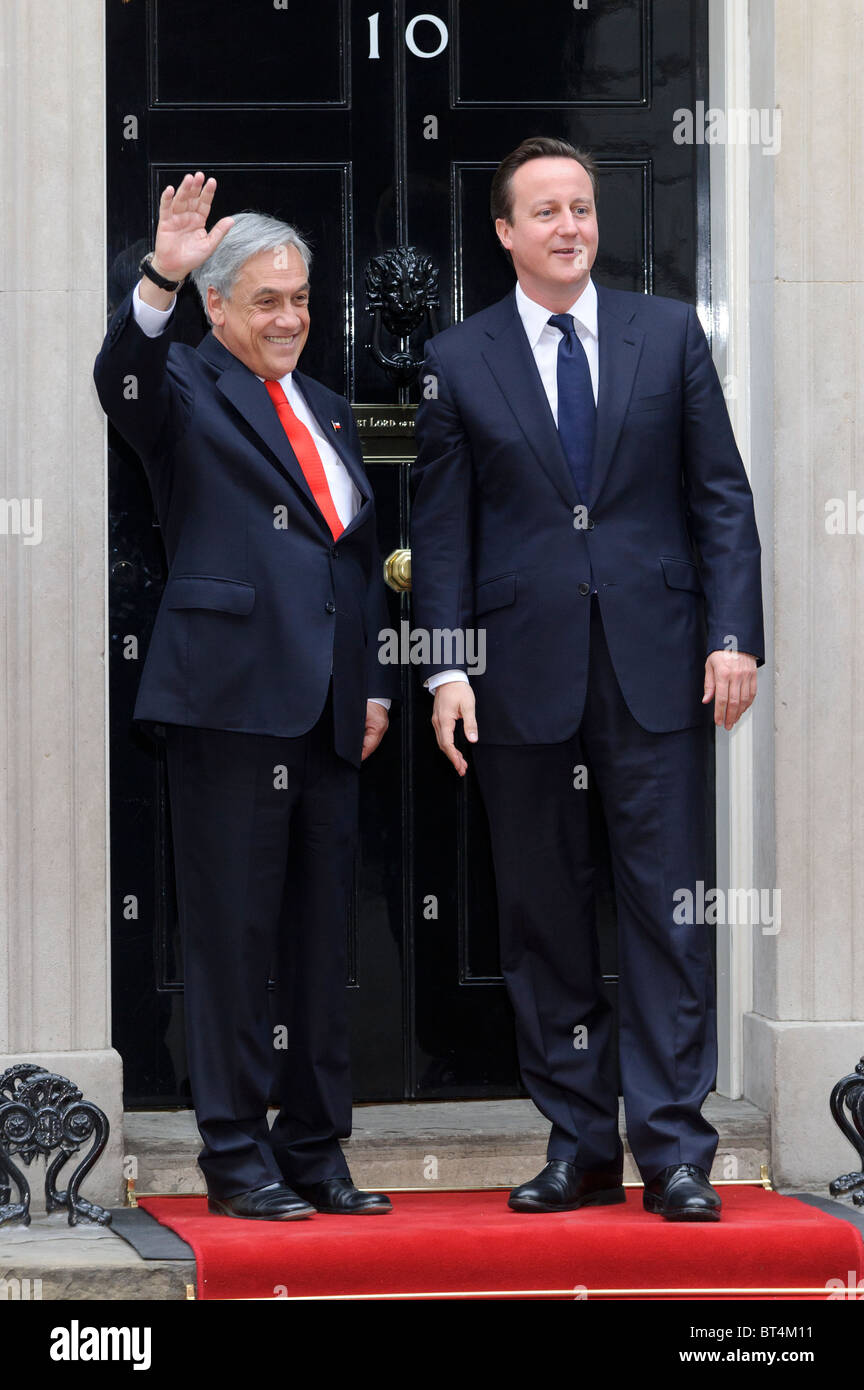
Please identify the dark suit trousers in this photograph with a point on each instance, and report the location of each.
(264, 840)
(653, 789)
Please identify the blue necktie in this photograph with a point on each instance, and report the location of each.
(577, 413)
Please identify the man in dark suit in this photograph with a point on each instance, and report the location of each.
(578, 496)
(263, 669)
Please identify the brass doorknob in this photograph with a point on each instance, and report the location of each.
(397, 570)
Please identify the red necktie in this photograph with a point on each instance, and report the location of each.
(308, 457)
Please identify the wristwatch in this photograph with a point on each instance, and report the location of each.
(146, 268)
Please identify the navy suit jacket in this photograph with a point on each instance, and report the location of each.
(500, 541)
(260, 605)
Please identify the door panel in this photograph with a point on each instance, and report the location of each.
(293, 56)
(551, 57)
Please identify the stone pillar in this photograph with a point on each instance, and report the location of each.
(54, 995)
(806, 1028)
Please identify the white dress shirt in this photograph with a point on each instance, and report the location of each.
(543, 340)
(343, 490)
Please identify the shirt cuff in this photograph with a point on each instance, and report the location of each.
(151, 321)
(434, 681)
(381, 700)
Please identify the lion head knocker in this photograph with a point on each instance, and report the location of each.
(402, 292)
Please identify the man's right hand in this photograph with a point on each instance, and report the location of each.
(454, 700)
(182, 239)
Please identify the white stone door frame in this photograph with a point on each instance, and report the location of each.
(740, 316)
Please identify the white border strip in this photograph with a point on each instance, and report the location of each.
(729, 86)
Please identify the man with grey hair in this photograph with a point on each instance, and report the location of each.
(262, 669)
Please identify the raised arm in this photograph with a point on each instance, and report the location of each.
(134, 385)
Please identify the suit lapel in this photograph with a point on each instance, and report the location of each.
(620, 346)
(511, 362)
(249, 396)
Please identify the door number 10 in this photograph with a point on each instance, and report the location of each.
(411, 42)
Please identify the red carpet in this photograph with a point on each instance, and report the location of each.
(452, 1243)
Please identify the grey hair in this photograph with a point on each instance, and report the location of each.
(252, 233)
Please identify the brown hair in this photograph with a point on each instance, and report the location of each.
(536, 147)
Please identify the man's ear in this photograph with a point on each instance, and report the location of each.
(504, 229)
(214, 307)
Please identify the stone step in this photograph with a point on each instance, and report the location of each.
(51, 1261)
(433, 1144)
(424, 1145)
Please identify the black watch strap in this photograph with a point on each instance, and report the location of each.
(146, 268)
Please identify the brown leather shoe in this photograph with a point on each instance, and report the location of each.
(562, 1186)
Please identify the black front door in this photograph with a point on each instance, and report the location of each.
(371, 128)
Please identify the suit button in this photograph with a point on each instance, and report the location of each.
(589, 524)
(329, 606)
(584, 589)
(335, 552)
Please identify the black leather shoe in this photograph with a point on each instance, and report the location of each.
(275, 1202)
(561, 1186)
(682, 1192)
(339, 1197)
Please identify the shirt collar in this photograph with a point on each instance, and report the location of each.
(286, 382)
(535, 317)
